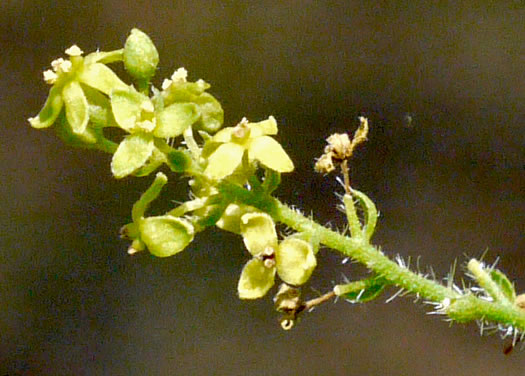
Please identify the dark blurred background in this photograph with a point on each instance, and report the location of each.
(443, 85)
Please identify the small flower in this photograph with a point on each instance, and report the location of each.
(252, 138)
(292, 259)
(137, 114)
(164, 235)
(67, 78)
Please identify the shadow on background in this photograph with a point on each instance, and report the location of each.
(444, 88)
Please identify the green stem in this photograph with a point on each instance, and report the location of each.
(460, 307)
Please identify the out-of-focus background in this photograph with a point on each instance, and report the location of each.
(443, 84)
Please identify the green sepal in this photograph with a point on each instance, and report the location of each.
(92, 138)
(99, 108)
(179, 160)
(210, 110)
(49, 113)
(77, 111)
(140, 56)
(183, 91)
(272, 179)
(505, 286)
(132, 153)
(154, 162)
(174, 119)
(130, 231)
(361, 291)
(213, 215)
(140, 207)
(166, 235)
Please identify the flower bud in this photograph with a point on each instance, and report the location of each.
(140, 56)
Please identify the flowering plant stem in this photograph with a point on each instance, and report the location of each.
(458, 306)
(227, 188)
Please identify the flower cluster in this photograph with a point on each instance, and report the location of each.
(87, 96)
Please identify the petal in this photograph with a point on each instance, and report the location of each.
(256, 280)
(224, 160)
(166, 235)
(270, 153)
(174, 119)
(265, 127)
(127, 106)
(295, 261)
(224, 135)
(102, 78)
(49, 113)
(132, 153)
(77, 109)
(258, 232)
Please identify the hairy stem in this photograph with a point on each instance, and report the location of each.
(458, 306)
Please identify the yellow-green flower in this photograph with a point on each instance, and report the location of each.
(145, 119)
(70, 79)
(292, 259)
(253, 138)
(164, 235)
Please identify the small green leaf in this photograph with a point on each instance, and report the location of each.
(49, 113)
(77, 110)
(506, 286)
(166, 235)
(256, 280)
(102, 78)
(361, 291)
(132, 153)
(370, 211)
(174, 119)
